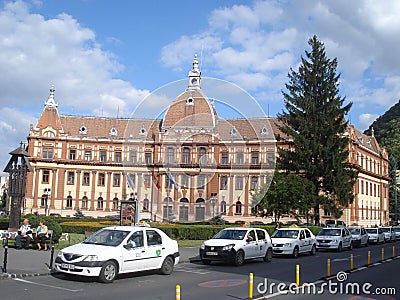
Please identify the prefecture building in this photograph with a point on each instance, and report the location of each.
(190, 165)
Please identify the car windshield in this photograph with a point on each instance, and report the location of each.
(231, 234)
(372, 230)
(385, 229)
(396, 229)
(354, 230)
(329, 231)
(107, 237)
(291, 234)
(330, 222)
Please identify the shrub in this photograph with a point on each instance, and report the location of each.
(4, 223)
(81, 228)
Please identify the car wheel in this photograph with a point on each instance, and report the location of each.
(239, 258)
(295, 253)
(351, 246)
(339, 248)
(167, 266)
(313, 250)
(206, 261)
(108, 272)
(268, 255)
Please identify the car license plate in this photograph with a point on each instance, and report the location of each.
(211, 253)
(68, 266)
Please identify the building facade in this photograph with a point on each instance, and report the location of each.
(190, 165)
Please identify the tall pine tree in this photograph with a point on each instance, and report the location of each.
(314, 121)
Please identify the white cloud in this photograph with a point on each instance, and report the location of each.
(259, 42)
(366, 119)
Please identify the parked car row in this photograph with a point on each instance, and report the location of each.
(123, 249)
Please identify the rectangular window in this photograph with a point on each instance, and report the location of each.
(102, 179)
(224, 182)
(86, 178)
(84, 202)
(147, 158)
(88, 155)
(69, 202)
(71, 177)
(224, 158)
(132, 156)
(366, 188)
(45, 176)
(72, 154)
(185, 180)
(239, 159)
(47, 153)
(254, 158)
(200, 181)
(271, 159)
(117, 179)
(170, 157)
(103, 156)
(239, 183)
(362, 187)
(118, 157)
(147, 181)
(186, 155)
(254, 183)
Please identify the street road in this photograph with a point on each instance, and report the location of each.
(216, 281)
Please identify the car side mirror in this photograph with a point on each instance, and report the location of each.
(128, 246)
(248, 240)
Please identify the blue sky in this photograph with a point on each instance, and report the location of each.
(104, 56)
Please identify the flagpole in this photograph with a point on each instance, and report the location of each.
(151, 196)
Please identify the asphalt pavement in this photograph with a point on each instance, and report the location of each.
(215, 281)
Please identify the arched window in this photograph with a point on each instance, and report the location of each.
(115, 203)
(186, 155)
(238, 207)
(184, 200)
(168, 199)
(85, 202)
(69, 202)
(202, 156)
(200, 200)
(223, 207)
(200, 210)
(100, 202)
(146, 204)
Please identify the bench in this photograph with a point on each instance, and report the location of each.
(12, 233)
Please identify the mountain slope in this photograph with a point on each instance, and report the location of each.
(387, 130)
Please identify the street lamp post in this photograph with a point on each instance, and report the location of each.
(213, 201)
(135, 199)
(17, 167)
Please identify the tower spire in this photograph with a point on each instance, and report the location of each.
(51, 102)
(194, 75)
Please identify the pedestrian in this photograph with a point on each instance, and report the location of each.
(24, 232)
(41, 235)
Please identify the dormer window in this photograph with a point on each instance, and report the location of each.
(234, 131)
(142, 131)
(83, 129)
(190, 101)
(113, 132)
(264, 131)
(360, 139)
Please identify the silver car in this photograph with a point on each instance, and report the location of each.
(390, 235)
(359, 236)
(375, 235)
(396, 230)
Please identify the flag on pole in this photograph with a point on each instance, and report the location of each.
(172, 181)
(156, 183)
(143, 182)
(130, 182)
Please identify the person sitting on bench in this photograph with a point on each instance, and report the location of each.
(41, 235)
(25, 231)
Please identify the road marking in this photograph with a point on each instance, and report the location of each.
(191, 270)
(223, 283)
(47, 285)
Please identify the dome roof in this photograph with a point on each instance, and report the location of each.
(191, 109)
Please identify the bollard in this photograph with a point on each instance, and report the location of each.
(393, 252)
(51, 257)
(178, 292)
(351, 262)
(4, 268)
(328, 268)
(298, 275)
(383, 254)
(251, 282)
(369, 258)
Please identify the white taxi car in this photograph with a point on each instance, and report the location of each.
(237, 245)
(117, 250)
(292, 241)
(334, 238)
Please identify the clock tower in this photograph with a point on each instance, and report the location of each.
(194, 75)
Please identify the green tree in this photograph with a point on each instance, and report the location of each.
(314, 125)
(287, 194)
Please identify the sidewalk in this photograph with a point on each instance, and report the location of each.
(27, 263)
